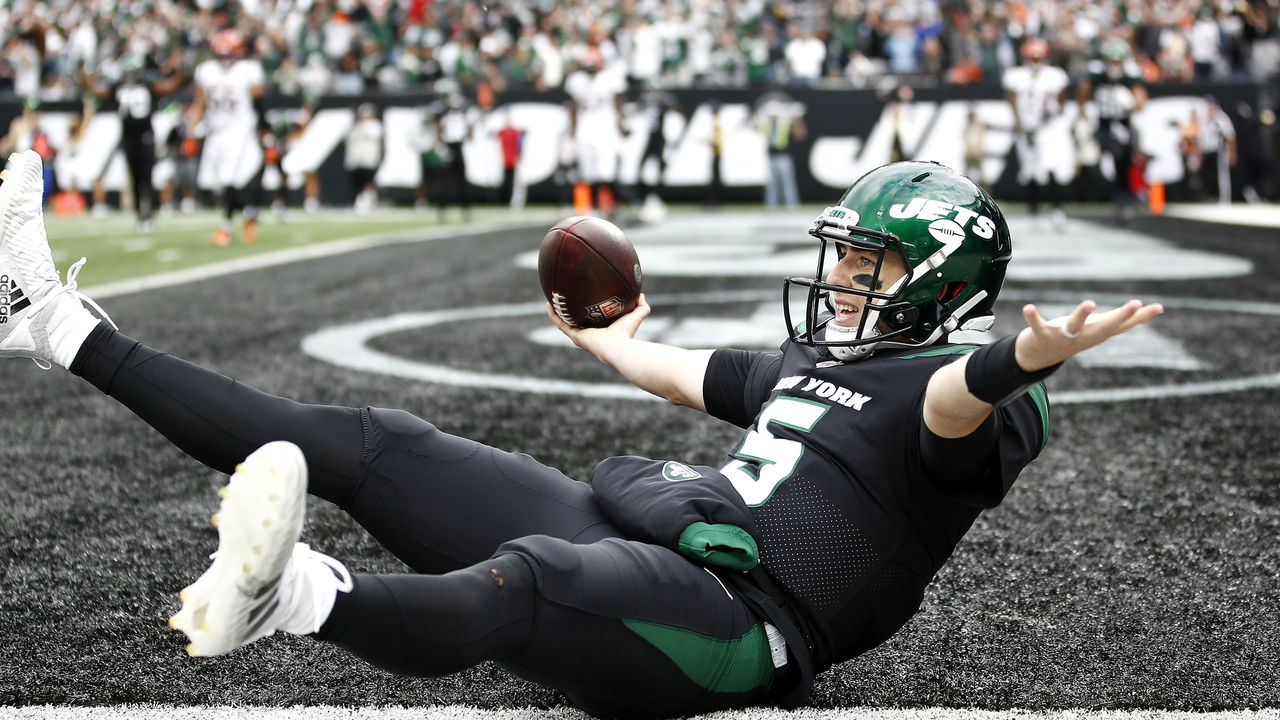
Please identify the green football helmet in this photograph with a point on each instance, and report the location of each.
(947, 232)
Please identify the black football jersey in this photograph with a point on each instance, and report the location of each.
(137, 103)
(1113, 93)
(847, 520)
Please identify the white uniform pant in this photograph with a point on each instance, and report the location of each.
(598, 145)
(1042, 151)
(231, 157)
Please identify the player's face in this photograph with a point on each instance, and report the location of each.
(856, 268)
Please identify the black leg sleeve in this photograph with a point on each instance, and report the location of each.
(219, 421)
(1055, 195)
(431, 625)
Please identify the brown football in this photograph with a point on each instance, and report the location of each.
(589, 271)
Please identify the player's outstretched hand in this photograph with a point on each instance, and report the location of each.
(1048, 342)
(591, 339)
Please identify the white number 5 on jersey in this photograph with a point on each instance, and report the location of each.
(763, 461)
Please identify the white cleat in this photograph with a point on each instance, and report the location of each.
(34, 304)
(254, 588)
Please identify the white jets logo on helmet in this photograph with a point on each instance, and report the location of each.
(926, 209)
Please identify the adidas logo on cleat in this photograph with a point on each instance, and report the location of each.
(12, 299)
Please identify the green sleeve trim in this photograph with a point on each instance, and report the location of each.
(1040, 396)
(731, 666)
(945, 350)
(728, 546)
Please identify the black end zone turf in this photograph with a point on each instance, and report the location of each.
(1133, 566)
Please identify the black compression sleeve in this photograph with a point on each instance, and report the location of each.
(219, 421)
(994, 376)
(432, 625)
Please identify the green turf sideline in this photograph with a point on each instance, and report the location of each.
(287, 256)
(462, 712)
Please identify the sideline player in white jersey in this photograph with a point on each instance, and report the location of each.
(1037, 92)
(596, 91)
(226, 87)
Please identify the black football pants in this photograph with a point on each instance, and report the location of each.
(517, 564)
(140, 156)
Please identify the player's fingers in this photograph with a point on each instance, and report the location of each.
(1034, 319)
(560, 323)
(1142, 314)
(630, 323)
(1075, 322)
(1117, 319)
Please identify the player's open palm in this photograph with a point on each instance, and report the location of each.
(1048, 342)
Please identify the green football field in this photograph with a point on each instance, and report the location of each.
(118, 251)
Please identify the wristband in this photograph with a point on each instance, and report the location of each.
(994, 376)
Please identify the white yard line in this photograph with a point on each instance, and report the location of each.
(1261, 215)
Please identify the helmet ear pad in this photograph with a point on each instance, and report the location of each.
(900, 318)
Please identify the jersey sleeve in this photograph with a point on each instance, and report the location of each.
(1009, 80)
(254, 74)
(202, 74)
(1062, 80)
(573, 85)
(738, 382)
(980, 468)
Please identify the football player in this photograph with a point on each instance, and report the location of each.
(140, 86)
(226, 88)
(1037, 93)
(870, 446)
(596, 118)
(454, 128)
(1115, 86)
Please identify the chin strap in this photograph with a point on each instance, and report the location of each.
(868, 325)
(950, 324)
(847, 353)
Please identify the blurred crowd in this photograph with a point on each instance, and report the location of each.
(318, 47)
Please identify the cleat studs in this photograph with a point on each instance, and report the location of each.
(257, 549)
(215, 519)
(267, 523)
(191, 649)
(273, 498)
(240, 467)
(184, 596)
(224, 493)
(247, 568)
(173, 623)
